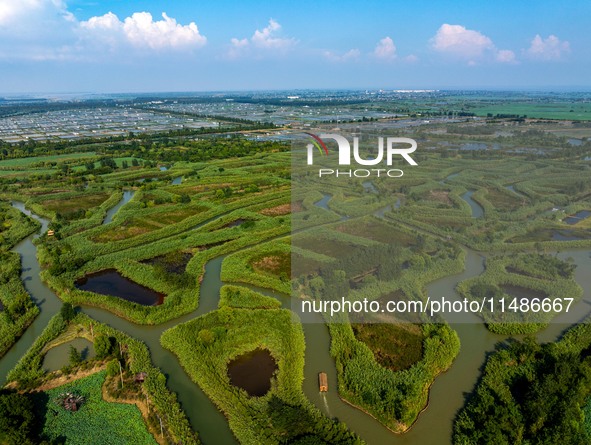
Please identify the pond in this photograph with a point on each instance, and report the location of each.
(516, 291)
(173, 263)
(323, 203)
(111, 282)
(369, 187)
(473, 146)
(577, 217)
(253, 372)
(59, 356)
(177, 180)
(575, 142)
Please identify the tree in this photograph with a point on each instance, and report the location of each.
(67, 312)
(75, 356)
(103, 346)
(17, 419)
(113, 368)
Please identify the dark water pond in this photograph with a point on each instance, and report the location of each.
(253, 371)
(577, 217)
(516, 291)
(111, 282)
(172, 263)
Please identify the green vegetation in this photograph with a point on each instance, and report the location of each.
(524, 282)
(14, 226)
(384, 242)
(395, 347)
(241, 297)
(96, 421)
(267, 265)
(161, 239)
(18, 423)
(207, 344)
(18, 311)
(28, 374)
(394, 398)
(531, 394)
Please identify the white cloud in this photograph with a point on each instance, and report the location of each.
(505, 56)
(351, 55)
(35, 29)
(551, 48)
(13, 11)
(265, 40)
(46, 30)
(142, 31)
(467, 44)
(385, 49)
(10, 10)
(459, 41)
(30, 18)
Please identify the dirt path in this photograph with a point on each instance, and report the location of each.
(63, 379)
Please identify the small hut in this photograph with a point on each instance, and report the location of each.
(69, 401)
(140, 377)
(50, 232)
(323, 382)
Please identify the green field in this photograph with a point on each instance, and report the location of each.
(39, 160)
(97, 422)
(559, 110)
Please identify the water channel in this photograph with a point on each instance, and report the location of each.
(127, 195)
(477, 210)
(447, 394)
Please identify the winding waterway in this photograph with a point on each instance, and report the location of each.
(477, 210)
(127, 195)
(447, 394)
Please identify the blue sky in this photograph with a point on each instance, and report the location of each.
(130, 46)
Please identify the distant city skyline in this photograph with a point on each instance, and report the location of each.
(156, 46)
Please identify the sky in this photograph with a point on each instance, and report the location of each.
(118, 46)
